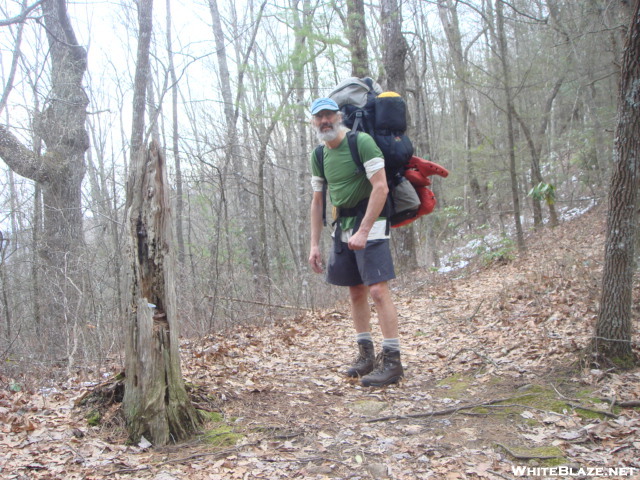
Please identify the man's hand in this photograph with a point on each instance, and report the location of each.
(358, 240)
(315, 260)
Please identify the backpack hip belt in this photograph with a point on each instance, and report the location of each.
(341, 212)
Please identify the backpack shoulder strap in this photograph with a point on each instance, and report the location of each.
(352, 138)
(318, 155)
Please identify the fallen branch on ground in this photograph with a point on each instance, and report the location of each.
(264, 304)
(629, 404)
(591, 410)
(492, 403)
(439, 413)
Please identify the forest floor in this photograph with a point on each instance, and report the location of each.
(495, 381)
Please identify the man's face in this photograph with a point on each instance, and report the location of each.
(326, 123)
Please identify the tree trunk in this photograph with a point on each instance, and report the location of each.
(536, 173)
(175, 136)
(357, 36)
(393, 57)
(59, 172)
(302, 27)
(612, 338)
(232, 150)
(5, 309)
(449, 19)
(506, 79)
(156, 404)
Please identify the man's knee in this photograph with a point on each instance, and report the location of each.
(358, 293)
(380, 292)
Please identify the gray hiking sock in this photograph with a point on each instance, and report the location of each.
(391, 344)
(364, 336)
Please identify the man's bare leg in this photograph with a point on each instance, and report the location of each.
(387, 314)
(360, 311)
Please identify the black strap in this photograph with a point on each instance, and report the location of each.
(352, 139)
(319, 157)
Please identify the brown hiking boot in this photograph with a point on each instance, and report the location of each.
(388, 370)
(365, 360)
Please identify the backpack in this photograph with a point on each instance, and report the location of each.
(383, 115)
(365, 107)
(403, 202)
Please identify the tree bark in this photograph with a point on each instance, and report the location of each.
(357, 36)
(394, 55)
(156, 404)
(59, 171)
(302, 29)
(612, 338)
(506, 79)
(175, 137)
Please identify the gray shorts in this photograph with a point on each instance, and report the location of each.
(349, 268)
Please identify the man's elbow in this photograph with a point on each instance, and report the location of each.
(383, 188)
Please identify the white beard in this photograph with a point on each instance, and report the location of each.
(330, 135)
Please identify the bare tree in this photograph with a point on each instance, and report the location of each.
(175, 137)
(472, 135)
(612, 337)
(61, 169)
(302, 27)
(501, 39)
(233, 162)
(393, 58)
(156, 403)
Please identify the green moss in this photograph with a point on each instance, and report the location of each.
(624, 363)
(221, 433)
(214, 417)
(548, 456)
(481, 410)
(222, 436)
(455, 385)
(540, 398)
(93, 418)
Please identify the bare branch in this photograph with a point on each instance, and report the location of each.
(22, 17)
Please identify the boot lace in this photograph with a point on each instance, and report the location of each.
(378, 365)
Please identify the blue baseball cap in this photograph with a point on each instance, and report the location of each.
(323, 103)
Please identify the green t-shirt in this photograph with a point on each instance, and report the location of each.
(347, 185)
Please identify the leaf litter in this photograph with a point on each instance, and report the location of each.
(495, 378)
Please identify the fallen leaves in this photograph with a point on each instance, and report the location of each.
(474, 348)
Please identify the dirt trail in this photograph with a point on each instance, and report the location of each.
(506, 338)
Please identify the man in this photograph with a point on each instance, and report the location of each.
(360, 258)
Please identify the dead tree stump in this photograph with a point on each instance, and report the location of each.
(156, 404)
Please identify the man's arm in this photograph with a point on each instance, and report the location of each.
(315, 257)
(377, 200)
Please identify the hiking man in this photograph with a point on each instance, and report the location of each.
(360, 256)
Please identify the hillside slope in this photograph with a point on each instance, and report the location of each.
(494, 382)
